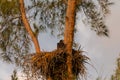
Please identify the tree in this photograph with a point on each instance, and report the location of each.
(14, 75)
(17, 32)
(116, 75)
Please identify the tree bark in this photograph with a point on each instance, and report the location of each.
(49, 78)
(28, 28)
(69, 34)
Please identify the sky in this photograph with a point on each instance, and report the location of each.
(102, 51)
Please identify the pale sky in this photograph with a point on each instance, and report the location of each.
(102, 51)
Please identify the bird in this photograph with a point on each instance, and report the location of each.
(60, 45)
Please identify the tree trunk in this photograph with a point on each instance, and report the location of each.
(49, 78)
(69, 34)
(28, 28)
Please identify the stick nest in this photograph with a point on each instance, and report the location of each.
(54, 64)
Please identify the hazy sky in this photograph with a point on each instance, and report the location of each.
(102, 51)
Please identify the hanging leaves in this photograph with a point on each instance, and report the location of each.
(95, 17)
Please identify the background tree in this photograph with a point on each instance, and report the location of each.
(14, 75)
(17, 29)
(116, 75)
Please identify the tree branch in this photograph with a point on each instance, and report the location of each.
(28, 28)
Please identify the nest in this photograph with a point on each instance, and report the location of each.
(53, 64)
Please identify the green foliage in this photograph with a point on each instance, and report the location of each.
(48, 15)
(14, 75)
(9, 7)
(100, 78)
(14, 40)
(95, 15)
(51, 14)
(116, 75)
